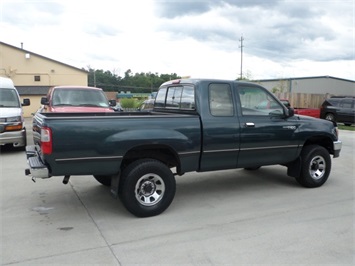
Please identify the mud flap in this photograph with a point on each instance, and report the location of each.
(294, 168)
(115, 182)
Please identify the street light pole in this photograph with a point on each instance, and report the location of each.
(241, 56)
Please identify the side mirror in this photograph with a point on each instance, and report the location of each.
(290, 112)
(44, 101)
(112, 102)
(26, 102)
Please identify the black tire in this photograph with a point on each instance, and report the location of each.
(103, 179)
(330, 117)
(147, 187)
(315, 166)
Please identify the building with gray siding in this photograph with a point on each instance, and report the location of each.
(311, 85)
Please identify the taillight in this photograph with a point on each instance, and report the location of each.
(46, 140)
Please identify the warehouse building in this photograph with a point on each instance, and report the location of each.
(34, 74)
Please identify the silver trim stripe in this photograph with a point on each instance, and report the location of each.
(229, 150)
(89, 158)
(271, 147)
(256, 148)
(180, 153)
(189, 153)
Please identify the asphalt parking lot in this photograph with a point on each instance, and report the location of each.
(233, 217)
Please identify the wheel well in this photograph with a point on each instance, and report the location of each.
(331, 113)
(162, 153)
(294, 168)
(323, 141)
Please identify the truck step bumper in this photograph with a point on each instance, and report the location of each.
(337, 145)
(37, 168)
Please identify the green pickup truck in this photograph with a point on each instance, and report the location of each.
(196, 125)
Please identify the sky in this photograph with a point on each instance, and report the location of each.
(195, 38)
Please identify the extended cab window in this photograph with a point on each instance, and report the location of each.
(176, 97)
(256, 101)
(220, 99)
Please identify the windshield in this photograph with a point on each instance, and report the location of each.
(8, 98)
(79, 97)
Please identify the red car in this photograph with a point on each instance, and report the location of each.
(76, 99)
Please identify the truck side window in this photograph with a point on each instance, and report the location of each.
(188, 98)
(347, 103)
(220, 99)
(177, 97)
(160, 98)
(256, 101)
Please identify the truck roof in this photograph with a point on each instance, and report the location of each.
(197, 80)
(76, 87)
(6, 83)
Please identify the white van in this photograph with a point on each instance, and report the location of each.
(12, 124)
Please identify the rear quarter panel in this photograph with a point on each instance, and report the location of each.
(97, 145)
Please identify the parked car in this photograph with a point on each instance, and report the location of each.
(77, 99)
(198, 125)
(339, 109)
(12, 124)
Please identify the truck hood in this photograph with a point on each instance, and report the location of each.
(79, 109)
(10, 112)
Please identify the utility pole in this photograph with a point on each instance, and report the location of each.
(241, 56)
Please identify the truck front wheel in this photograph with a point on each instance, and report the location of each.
(316, 165)
(147, 187)
(330, 117)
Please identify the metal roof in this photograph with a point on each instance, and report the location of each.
(299, 78)
(33, 90)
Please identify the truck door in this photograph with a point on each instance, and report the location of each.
(346, 111)
(267, 136)
(220, 127)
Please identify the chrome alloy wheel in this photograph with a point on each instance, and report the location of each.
(317, 167)
(149, 189)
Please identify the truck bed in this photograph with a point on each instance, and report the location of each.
(104, 138)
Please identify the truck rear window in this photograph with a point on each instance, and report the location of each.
(176, 97)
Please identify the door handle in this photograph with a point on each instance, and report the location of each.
(249, 124)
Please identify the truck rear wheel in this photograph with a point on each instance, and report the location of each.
(316, 165)
(147, 187)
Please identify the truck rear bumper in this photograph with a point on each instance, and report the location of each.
(37, 168)
(337, 148)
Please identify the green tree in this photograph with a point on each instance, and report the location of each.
(134, 82)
